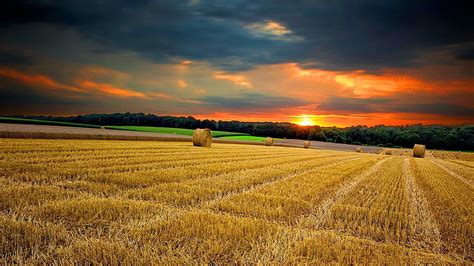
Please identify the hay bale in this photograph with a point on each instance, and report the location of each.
(202, 137)
(419, 151)
(102, 127)
(389, 152)
(358, 149)
(269, 141)
(306, 144)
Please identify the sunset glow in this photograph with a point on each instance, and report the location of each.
(278, 62)
(305, 121)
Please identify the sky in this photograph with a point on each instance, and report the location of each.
(330, 63)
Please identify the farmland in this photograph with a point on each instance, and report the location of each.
(180, 131)
(44, 122)
(149, 202)
(244, 138)
(163, 130)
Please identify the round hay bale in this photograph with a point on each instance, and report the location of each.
(269, 141)
(102, 127)
(202, 137)
(419, 151)
(358, 149)
(306, 144)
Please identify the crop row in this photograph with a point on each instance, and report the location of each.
(289, 199)
(451, 203)
(230, 204)
(162, 168)
(195, 191)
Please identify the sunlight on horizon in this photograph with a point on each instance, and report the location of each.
(305, 121)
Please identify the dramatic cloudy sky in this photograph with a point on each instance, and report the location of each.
(333, 62)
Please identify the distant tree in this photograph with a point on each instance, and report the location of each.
(434, 136)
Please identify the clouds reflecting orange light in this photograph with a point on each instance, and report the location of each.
(111, 90)
(323, 97)
(240, 80)
(37, 80)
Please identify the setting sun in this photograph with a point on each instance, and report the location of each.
(305, 121)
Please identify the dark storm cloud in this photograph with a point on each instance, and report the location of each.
(252, 101)
(374, 105)
(14, 58)
(17, 98)
(23, 99)
(466, 53)
(354, 104)
(332, 34)
(157, 30)
(367, 34)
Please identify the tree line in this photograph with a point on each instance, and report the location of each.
(433, 136)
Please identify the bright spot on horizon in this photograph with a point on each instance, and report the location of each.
(305, 121)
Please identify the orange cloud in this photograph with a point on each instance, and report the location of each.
(182, 84)
(183, 66)
(317, 86)
(190, 101)
(345, 81)
(273, 30)
(240, 80)
(270, 27)
(36, 80)
(85, 86)
(367, 85)
(111, 90)
(314, 86)
(360, 83)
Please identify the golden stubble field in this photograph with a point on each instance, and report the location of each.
(144, 202)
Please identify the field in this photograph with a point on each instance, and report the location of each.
(438, 154)
(148, 202)
(43, 122)
(163, 130)
(180, 131)
(245, 138)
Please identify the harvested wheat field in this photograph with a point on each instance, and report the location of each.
(146, 202)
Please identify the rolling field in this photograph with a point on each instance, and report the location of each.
(245, 138)
(180, 131)
(146, 202)
(44, 122)
(163, 130)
